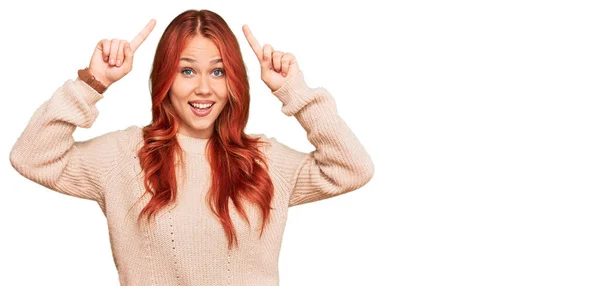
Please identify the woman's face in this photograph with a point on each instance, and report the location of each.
(200, 78)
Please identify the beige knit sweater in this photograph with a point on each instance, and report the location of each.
(187, 245)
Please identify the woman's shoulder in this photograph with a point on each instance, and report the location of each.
(134, 137)
(266, 142)
(276, 150)
(126, 139)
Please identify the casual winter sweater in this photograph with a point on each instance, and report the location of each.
(187, 244)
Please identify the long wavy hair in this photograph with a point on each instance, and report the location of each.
(238, 167)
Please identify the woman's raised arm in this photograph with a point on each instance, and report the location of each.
(338, 165)
(46, 152)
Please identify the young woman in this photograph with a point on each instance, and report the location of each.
(190, 199)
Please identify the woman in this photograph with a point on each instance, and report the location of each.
(190, 199)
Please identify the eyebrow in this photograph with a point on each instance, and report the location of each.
(214, 61)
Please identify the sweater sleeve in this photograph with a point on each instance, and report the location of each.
(339, 163)
(47, 154)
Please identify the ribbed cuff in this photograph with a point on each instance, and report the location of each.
(294, 94)
(90, 95)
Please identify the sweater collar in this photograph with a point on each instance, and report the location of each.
(192, 144)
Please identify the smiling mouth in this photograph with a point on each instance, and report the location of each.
(201, 108)
(201, 112)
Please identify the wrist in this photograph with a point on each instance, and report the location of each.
(89, 77)
(99, 77)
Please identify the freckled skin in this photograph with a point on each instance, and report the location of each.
(200, 80)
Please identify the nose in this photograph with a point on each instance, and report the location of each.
(203, 86)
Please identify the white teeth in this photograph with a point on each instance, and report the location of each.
(206, 105)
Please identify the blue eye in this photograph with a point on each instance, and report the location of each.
(186, 69)
(220, 70)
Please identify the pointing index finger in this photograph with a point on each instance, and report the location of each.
(253, 42)
(141, 36)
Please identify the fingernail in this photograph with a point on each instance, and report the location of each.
(112, 61)
(119, 63)
(284, 74)
(105, 59)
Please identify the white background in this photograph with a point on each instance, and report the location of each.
(481, 118)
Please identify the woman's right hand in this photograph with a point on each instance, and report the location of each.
(113, 59)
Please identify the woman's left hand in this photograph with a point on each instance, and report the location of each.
(275, 66)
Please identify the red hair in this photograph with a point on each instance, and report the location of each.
(239, 168)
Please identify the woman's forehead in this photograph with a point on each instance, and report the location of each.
(200, 49)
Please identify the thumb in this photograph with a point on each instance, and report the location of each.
(266, 61)
(98, 52)
(128, 60)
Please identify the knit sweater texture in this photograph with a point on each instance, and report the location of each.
(187, 245)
